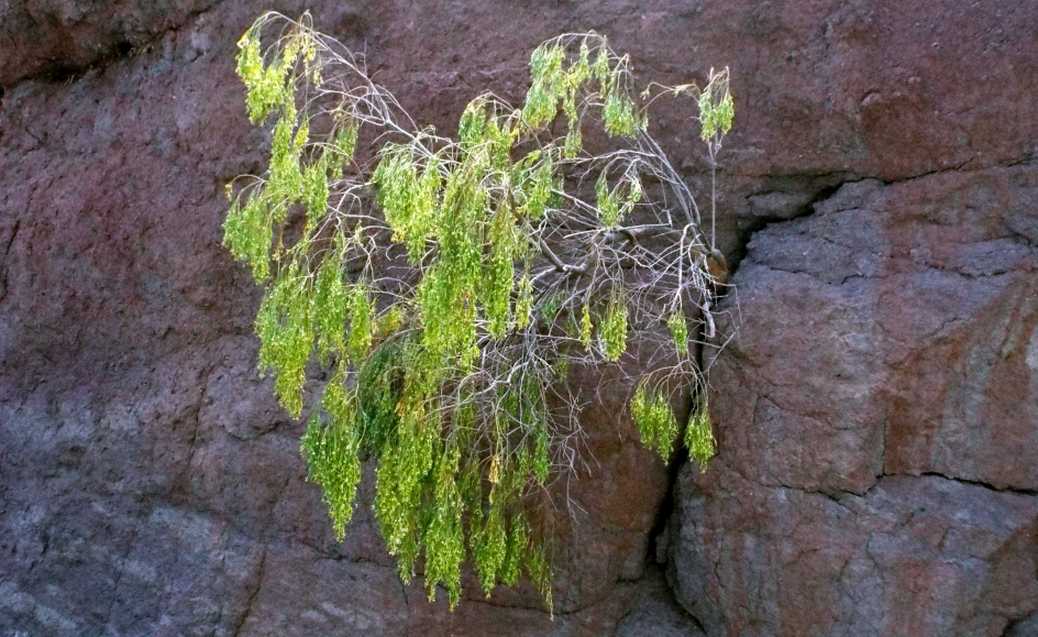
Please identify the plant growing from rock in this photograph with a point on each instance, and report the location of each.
(449, 285)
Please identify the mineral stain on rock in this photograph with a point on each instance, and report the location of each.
(877, 411)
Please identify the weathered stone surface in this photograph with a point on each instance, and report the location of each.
(912, 556)
(890, 331)
(876, 412)
(877, 408)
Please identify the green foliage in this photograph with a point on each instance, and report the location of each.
(265, 84)
(361, 327)
(524, 303)
(716, 107)
(556, 85)
(518, 541)
(540, 573)
(658, 426)
(331, 454)
(420, 275)
(445, 537)
(619, 115)
(329, 304)
(248, 232)
(408, 198)
(585, 327)
(617, 203)
(537, 184)
(655, 420)
(699, 435)
(500, 272)
(490, 547)
(286, 337)
(315, 191)
(344, 143)
(549, 84)
(678, 327)
(613, 329)
(379, 385)
(608, 203)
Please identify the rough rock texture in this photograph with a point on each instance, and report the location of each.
(877, 410)
(876, 475)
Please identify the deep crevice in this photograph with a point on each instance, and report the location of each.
(660, 535)
(665, 511)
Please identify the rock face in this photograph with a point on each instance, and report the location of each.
(877, 409)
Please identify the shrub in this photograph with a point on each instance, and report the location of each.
(449, 284)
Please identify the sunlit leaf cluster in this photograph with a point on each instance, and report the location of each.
(655, 419)
(699, 435)
(716, 108)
